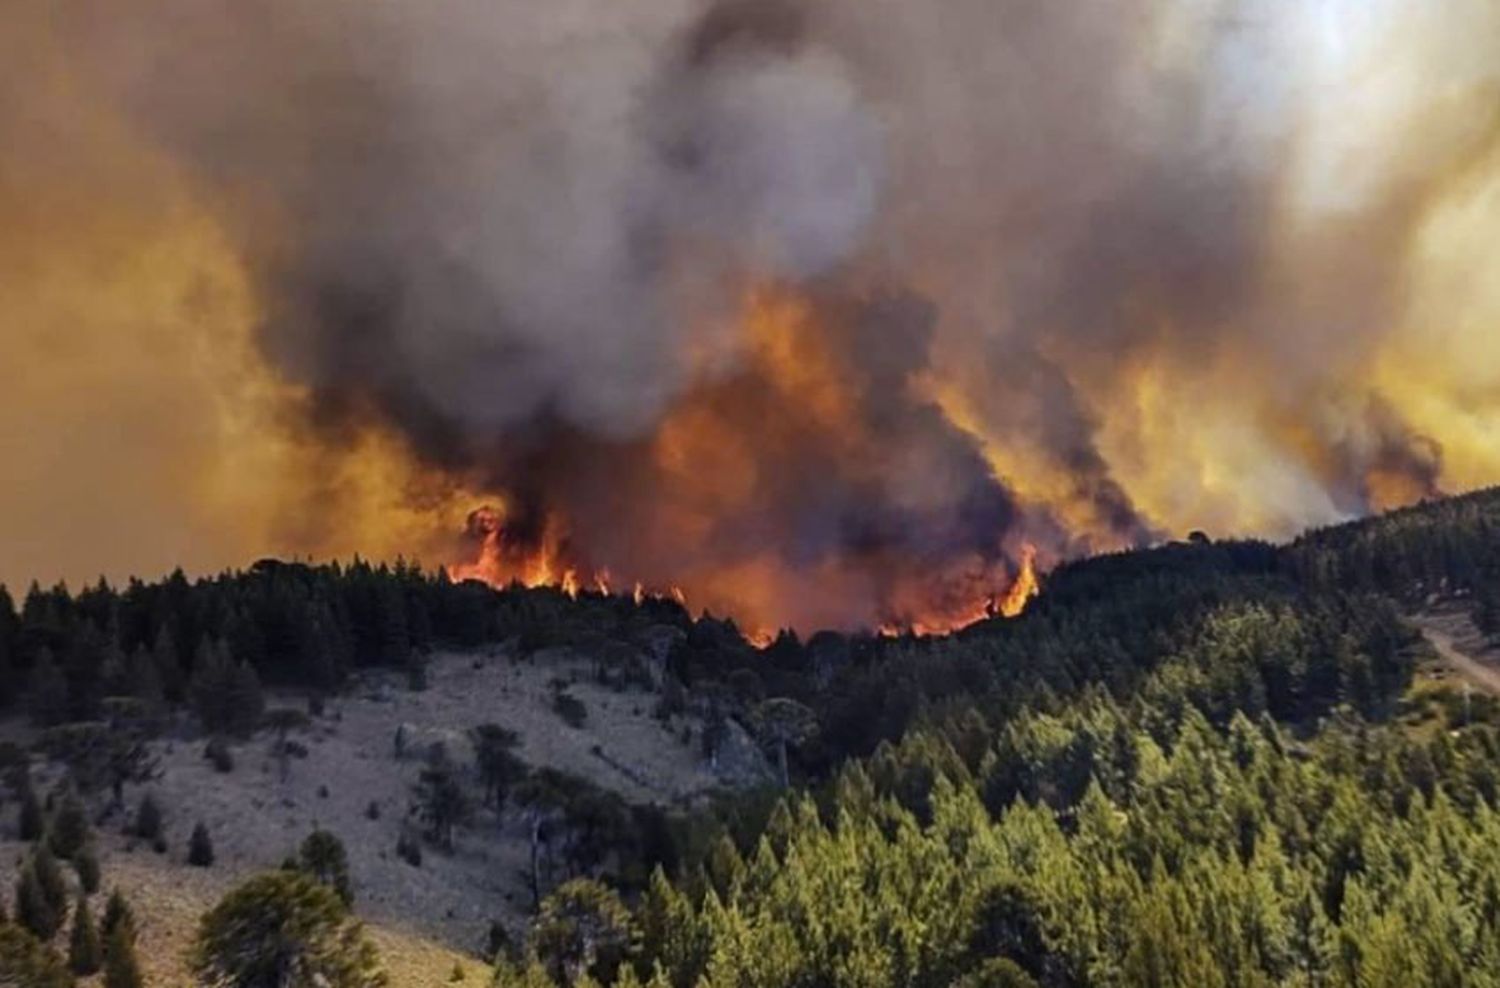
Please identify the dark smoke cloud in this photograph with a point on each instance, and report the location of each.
(1097, 270)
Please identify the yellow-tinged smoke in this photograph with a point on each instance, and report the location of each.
(140, 427)
(307, 279)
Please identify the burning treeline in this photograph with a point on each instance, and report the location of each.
(810, 485)
(821, 313)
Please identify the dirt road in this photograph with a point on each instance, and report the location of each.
(1457, 641)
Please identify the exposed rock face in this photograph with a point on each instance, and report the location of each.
(738, 760)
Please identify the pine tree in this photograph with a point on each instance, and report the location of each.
(50, 877)
(70, 827)
(441, 802)
(34, 910)
(121, 968)
(499, 768)
(279, 921)
(322, 856)
(85, 952)
(582, 928)
(9, 626)
(780, 724)
(117, 916)
(200, 848)
(145, 684)
(148, 819)
(168, 664)
(33, 823)
(247, 701)
(47, 698)
(226, 694)
(86, 864)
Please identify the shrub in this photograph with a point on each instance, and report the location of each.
(571, 709)
(219, 755)
(409, 849)
(498, 943)
(200, 848)
(148, 820)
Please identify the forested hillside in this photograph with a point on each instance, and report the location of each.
(1193, 765)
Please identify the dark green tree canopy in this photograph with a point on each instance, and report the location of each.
(283, 929)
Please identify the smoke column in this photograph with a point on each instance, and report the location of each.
(821, 311)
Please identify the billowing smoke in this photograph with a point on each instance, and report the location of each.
(821, 311)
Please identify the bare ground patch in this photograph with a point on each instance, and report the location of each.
(424, 918)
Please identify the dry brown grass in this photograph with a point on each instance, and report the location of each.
(422, 919)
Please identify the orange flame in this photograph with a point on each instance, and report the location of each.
(1010, 604)
(504, 559)
(503, 562)
(1026, 586)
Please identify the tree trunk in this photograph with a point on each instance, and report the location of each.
(536, 882)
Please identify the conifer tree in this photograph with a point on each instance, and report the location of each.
(34, 909)
(322, 856)
(168, 663)
(50, 878)
(582, 928)
(117, 916)
(86, 864)
(441, 801)
(145, 683)
(148, 819)
(33, 822)
(226, 693)
(85, 952)
(200, 847)
(47, 698)
(122, 969)
(283, 928)
(69, 831)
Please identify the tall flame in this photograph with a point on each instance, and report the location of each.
(504, 559)
(1026, 586)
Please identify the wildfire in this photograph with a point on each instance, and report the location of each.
(1025, 587)
(1010, 603)
(506, 558)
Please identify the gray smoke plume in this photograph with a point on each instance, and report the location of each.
(523, 234)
